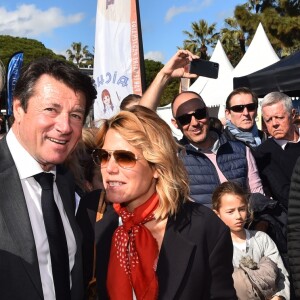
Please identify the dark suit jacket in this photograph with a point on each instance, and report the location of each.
(86, 217)
(294, 229)
(195, 260)
(19, 268)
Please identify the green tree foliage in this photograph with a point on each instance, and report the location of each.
(32, 49)
(280, 19)
(202, 36)
(233, 40)
(152, 68)
(80, 55)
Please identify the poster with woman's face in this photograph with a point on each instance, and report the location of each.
(117, 57)
(108, 106)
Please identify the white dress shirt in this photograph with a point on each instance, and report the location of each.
(27, 167)
(283, 143)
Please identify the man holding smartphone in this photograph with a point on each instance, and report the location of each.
(208, 156)
(205, 148)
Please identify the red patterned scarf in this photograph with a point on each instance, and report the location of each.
(133, 255)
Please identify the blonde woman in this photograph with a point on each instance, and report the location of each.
(152, 242)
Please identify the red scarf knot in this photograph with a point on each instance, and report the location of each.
(134, 254)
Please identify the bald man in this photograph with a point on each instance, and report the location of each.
(209, 157)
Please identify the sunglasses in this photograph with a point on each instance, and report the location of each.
(125, 159)
(185, 119)
(240, 108)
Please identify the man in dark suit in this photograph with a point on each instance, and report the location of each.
(51, 102)
(276, 159)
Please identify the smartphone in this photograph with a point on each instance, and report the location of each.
(204, 68)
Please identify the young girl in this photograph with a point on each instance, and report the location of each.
(231, 205)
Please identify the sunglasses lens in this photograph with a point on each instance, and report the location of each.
(100, 157)
(200, 113)
(237, 108)
(251, 107)
(186, 119)
(240, 108)
(125, 159)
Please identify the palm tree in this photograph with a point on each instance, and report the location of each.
(233, 40)
(280, 19)
(78, 53)
(203, 35)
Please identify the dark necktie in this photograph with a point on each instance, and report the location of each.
(56, 238)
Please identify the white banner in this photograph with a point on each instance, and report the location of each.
(117, 70)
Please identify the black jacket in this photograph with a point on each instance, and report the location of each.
(19, 268)
(195, 259)
(294, 229)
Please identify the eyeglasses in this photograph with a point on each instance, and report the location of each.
(240, 108)
(125, 159)
(185, 119)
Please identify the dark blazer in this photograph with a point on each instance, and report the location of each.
(293, 233)
(275, 167)
(195, 260)
(86, 218)
(19, 268)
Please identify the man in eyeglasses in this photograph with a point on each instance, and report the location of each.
(209, 157)
(241, 111)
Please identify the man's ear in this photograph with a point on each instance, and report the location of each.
(174, 122)
(18, 110)
(293, 114)
(227, 114)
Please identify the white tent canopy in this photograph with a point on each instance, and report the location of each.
(259, 55)
(166, 114)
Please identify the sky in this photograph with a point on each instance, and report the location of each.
(59, 23)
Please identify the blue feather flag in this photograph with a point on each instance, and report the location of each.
(13, 73)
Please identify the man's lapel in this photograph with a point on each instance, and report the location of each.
(68, 198)
(16, 218)
(67, 194)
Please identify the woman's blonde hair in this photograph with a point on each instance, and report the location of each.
(144, 129)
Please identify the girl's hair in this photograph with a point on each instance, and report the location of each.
(145, 130)
(230, 187)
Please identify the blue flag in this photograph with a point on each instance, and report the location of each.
(13, 73)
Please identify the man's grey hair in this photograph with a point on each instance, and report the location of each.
(276, 97)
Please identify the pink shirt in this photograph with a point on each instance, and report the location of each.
(253, 179)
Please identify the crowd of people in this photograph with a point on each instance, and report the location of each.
(126, 211)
